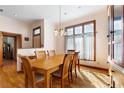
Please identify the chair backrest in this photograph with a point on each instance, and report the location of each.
(66, 64)
(75, 58)
(28, 70)
(70, 51)
(51, 52)
(41, 55)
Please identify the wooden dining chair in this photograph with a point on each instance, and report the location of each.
(63, 72)
(73, 65)
(72, 52)
(31, 77)
(51, 52)
(40, 55)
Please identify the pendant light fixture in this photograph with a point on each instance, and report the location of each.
(59, 31)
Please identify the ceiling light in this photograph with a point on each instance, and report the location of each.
(60, 31)
(1, 10)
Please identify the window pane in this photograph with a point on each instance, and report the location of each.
(79, 46)
(78, 30)
(70, 31)
(88, 28)
(70, 43)
(89, 47)
(89, 41)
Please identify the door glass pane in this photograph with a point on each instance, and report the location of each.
(117, 30)
(117, 33)
(117, 52)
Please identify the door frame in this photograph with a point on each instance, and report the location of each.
(18, 43)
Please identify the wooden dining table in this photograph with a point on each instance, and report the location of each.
(48, 66)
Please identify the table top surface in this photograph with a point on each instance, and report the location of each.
(49, 63)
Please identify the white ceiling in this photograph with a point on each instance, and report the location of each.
(30, 13)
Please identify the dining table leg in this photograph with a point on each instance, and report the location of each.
(47, 79)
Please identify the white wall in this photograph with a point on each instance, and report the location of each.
(15, 26)
(59, 45)
(49, 37)
(101, 39)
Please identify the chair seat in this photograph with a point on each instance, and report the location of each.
(39, 77)
(57, 73)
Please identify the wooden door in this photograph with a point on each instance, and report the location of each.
(116, 43)
(37, 37)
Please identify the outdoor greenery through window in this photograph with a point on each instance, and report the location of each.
(81, 38)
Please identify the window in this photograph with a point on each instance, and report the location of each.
(82, 38)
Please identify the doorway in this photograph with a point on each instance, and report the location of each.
(8, 48)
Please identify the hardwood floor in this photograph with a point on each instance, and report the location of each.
(87, 78)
